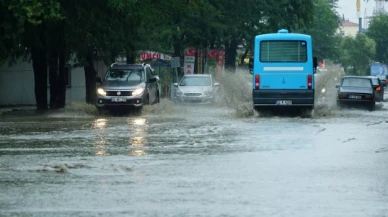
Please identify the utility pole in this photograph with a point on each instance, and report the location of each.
(379, 7)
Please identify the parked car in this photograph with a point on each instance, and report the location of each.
(356, 90)
(378, 87)
(128, 85)
(196, 88)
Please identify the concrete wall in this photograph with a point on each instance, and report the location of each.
(17, 84)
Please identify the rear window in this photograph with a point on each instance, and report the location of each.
(375, 81)
(283, 51)
(356, 82)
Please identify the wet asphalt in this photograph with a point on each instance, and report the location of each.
(195, 161)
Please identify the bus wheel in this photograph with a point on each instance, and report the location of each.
(262, 112)
(306, 112)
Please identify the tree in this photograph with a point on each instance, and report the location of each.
(357, 53)
(378, 31)
(29, 20)
(324, 30)
(245, 19)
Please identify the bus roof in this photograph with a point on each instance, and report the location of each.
(283, 35)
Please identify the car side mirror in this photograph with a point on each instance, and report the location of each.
(151, 80)
(175, 84)
(337, 86)
(98, 80)
(250, 66)
(216, 84)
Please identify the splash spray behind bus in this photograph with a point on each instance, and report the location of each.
(283, 70)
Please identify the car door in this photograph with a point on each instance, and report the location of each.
(151, 86)
(377, 85)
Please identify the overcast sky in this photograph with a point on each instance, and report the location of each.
(349, 8)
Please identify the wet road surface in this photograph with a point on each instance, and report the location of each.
(200, 161)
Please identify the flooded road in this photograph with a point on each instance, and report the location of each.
(195, 161)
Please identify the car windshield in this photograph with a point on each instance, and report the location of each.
(356, 82)
(195, 81)
(124, 75)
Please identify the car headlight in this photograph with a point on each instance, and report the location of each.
(178, 93)
(138, 92)
(323, 90)
(208, 93)
(101, 92)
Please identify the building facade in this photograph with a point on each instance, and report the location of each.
(348, 28)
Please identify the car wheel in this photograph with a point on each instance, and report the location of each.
(137, 110)
(372, 106)
(147, 100)
(157, 99)
(340, 105)
(100, 110)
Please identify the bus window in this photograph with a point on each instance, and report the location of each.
(283, 51)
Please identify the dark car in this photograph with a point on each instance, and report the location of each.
(378, 86)
(356, 90)
(129, 85)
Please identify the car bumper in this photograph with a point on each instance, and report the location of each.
(355, 101)
(109, 101)
(195, 99)
(301, 98)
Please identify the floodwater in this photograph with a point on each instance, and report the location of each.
(195, 161)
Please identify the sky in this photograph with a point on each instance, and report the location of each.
(349, 9)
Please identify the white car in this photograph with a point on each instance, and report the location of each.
(196, 88)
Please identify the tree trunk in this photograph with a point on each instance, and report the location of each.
(131, 55)
(53, 78)
(39, 65)
(177, 45)
(230, 55)
(244, 56)
(61, 86)
(90, 78)
(61, 99)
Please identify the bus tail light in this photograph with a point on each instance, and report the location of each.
(310, 81)
(257, 81)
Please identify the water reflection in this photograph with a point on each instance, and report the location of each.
(100, 141)
(138, 140)
(100, 123)
(137, 145)
(138, 121)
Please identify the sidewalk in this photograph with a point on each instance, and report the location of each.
(12, 108)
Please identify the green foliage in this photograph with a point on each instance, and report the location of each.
(378, 31)
(16, 14)
(323, 30)
(357, 54)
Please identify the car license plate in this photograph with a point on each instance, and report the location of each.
(354, 97)
(119, 99)
(284, 102)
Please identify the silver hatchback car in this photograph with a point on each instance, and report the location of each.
(130, 85)
(196, 88)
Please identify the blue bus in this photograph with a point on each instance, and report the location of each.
(283, 70)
